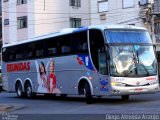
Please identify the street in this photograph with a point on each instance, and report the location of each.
(137, 104)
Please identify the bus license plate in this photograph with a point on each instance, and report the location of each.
(138, 90)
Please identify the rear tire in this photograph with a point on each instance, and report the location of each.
(19, 90)
(28, 91)
(125, 97)
(87, 93)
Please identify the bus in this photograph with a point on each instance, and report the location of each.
(98, 60)
(0, 80)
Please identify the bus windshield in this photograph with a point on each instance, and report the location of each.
(128, 36)
(132, 59)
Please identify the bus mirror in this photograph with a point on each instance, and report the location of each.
(107, 55)
(154, 47)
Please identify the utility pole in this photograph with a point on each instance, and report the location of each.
(146, 14)
(44, 5)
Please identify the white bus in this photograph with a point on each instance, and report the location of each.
(100, 60)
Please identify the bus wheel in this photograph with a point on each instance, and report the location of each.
(19, 90)
(125, 97)
(28, 91)
(87, 92)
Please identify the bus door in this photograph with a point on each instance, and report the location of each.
(99, 59)
(158, 61)
(103, 72)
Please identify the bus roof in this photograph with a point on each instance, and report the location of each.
(74, 30)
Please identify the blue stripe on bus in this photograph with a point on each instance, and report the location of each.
(86, 61)
(80, 29)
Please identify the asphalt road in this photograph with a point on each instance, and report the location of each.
(73, 107)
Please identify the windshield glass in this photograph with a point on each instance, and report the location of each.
(131, 60)
(127, 36)
(131, 52)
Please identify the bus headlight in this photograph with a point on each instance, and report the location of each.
(153, 82)
(117, 84)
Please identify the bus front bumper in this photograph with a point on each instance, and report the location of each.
(116, 90)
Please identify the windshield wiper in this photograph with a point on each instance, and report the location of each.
(135, 62)
(126, 72)
(141, 63)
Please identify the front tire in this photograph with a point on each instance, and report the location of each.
(87, 92)
(125, 97)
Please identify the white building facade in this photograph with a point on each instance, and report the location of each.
(116, 12)
(23, 19)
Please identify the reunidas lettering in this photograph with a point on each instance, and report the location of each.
(15, 67)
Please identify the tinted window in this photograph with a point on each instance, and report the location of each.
(79, 42)
(51, 45)
(6, 54)
(18, 51)
(98, 52)
(33, 50)
(64, 44)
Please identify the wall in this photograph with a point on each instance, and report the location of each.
(116, 14)
(54, 15)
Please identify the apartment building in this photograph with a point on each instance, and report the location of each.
(0, 24)
(23, 19)
(156, 13)
(116, 12)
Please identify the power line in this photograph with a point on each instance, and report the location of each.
(29, 1)
(63, 13)
(55, 18)
(59, 22)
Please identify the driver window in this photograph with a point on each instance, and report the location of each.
(98, 53)
(102, 61)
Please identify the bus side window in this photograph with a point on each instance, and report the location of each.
(51, 45)
(7, 54)
(18, 52)
(66, 49)
(39, 49)
(79, 42)
(65, 44)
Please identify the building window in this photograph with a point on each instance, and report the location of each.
(19, 2)
(6, 21)
(75, 22)
(22, 22)
(5, 0)
(75, 3)
(103, 6)
(128, 3)
(157, 28)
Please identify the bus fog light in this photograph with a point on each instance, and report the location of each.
(117, 84)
